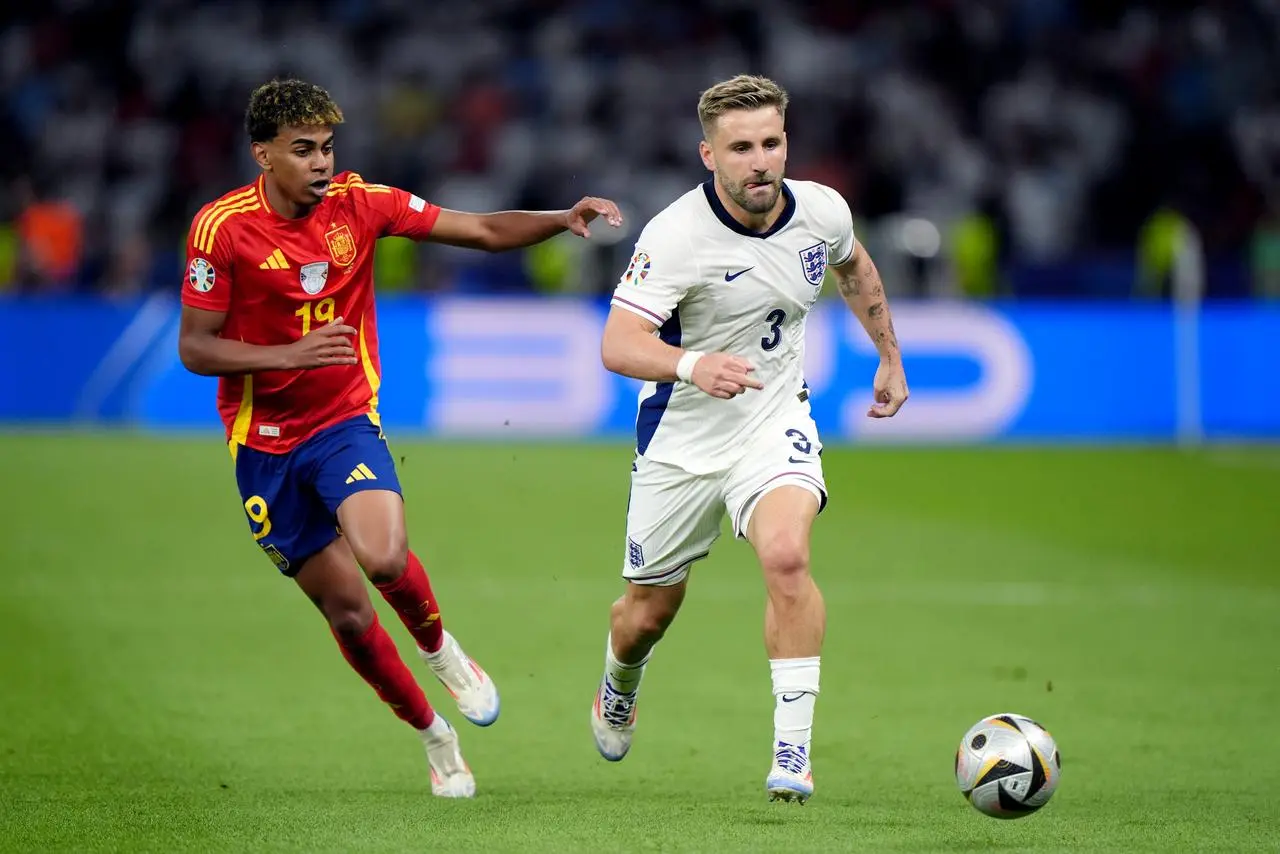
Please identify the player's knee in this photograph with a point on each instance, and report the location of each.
(652, 623)
(349, 618)
(785, 560)
(648, 616)
(385, 563)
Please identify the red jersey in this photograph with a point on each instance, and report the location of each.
(277, 279)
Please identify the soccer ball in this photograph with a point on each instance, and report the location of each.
(1007, 766)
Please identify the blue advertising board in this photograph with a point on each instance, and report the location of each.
(520, 368)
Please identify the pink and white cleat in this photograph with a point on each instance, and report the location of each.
(791, 777)
(466, 681)
(613, 721)
(450, 775)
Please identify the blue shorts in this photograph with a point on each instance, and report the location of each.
(291, 499)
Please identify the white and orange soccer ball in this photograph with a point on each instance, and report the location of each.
(1007, 766)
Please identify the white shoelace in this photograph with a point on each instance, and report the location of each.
(616, 707)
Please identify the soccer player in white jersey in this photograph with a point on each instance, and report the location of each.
(725, 276)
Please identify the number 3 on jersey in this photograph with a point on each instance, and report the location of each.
(775, 319)
(323, 313)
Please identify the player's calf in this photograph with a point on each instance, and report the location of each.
(638, 620)
(410, 593)
(373, 522)
(777, 527)
(795, 622)
(333, 582)
(784, 563)
(641, 616)
(613, 713)
(374, 656)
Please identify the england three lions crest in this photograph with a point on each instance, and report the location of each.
(342, 246)
(314, 276)
(814, 261)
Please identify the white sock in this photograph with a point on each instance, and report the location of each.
(438, 729)
(795, 690)
(438, 656)
(624, 678)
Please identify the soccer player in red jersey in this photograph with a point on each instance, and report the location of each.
(279, 304)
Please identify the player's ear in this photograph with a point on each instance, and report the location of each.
(708, 156)
(261, 155)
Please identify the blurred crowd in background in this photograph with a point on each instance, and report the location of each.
(989, 148)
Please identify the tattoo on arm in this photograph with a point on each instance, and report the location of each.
(848, 284)
(861, 287)
(887, 335)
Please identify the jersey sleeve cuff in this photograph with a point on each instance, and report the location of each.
(427, 219)
(636, 308)
(205, 304)
(853, 250)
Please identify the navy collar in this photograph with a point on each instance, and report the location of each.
(717, 207)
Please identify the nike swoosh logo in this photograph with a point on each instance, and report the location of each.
(794, 461)
(729, 277)
(791, 698)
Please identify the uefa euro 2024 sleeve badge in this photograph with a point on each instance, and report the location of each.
(201, 275)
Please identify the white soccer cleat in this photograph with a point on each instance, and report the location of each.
(466, 681)
(450, 775)
(791, 777)
(613, 721)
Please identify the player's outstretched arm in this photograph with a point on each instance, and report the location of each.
(630, 348)
(203, 351)
(498, 232)
(860, 285)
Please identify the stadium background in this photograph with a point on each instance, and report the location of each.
(1073, 203)
(1037, 178)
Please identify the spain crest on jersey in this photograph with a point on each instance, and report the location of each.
(342, 246)
(314, 276)
(814, 261)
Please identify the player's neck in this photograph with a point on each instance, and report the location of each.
(281, 205)
(753, 221)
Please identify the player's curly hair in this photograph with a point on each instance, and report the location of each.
(744, 92)
(288, 103)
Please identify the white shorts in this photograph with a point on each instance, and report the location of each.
(673, 516)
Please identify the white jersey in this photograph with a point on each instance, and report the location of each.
(713, 285)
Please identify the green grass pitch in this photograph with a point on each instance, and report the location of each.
(162, 689)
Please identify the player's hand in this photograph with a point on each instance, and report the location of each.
(724, 376)
(890, 390)
(326, 345)
(589, 208)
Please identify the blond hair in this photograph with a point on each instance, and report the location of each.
(288, 103)
(744, 92)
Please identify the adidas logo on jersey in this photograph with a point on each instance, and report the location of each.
(275, 261)
(361, 472)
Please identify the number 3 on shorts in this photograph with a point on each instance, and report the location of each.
(256, 507)
(800, 441)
